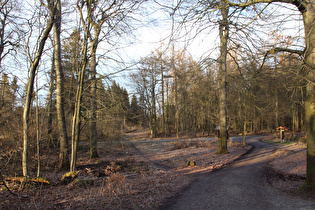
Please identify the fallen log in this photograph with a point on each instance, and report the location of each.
(25, 179)
(2, 182)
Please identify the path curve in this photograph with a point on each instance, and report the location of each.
(241, 186)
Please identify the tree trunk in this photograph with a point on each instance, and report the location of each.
(224, 35)
(167, 126)
(163, 105)
(176, 93)
(63, 154)
(153, 111)
(76, 128)
(75, 137)
(295, 118)
(25, 121)
(277, 109)
(93, 129)
(244, 133)
(309, 27)
(50, 102)
(76, 120)
(37, 131)
(29, 93)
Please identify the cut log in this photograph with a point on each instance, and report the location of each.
(191, 163)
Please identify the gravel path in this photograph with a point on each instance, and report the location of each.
(241, 186)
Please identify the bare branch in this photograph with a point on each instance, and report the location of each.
(298, 3)
(277, 50)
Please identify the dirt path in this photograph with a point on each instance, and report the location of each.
(242, 186)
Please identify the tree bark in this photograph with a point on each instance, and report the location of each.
(93, 128)
(37, 131)
(63, 154)
(309, 28)
(50, 102)
(295, 118)
(224, 35)
(244, 133)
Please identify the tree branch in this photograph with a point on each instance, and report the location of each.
(298, 3)
(279, 49)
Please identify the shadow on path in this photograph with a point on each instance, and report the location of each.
(241, 186)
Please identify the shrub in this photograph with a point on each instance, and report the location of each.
(115, 185)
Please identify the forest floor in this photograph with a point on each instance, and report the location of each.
(138, 173)
(287, 169)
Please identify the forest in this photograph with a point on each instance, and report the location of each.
(66, 80)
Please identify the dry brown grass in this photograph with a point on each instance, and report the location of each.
(114, 185)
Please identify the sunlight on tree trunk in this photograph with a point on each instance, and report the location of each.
(224, 36)
(63, 155)
(29, 93)
(76, 120)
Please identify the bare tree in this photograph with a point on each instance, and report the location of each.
(30, 89)
(307, 10)
(103, 20)
(55, 6)
(76, 120)
(10, 32)
(224, 38)
(147, 80)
